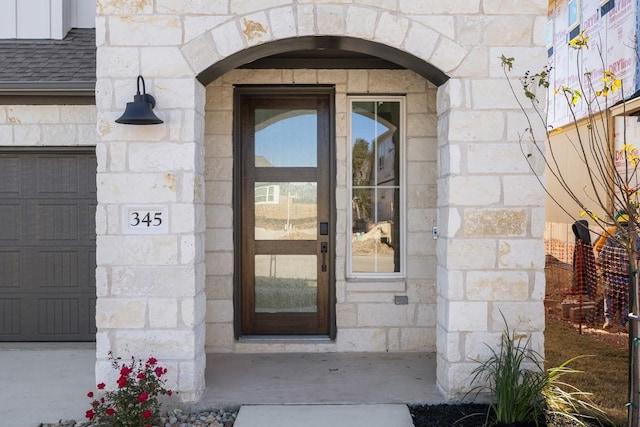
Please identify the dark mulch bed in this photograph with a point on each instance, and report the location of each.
(447, 415)
(465, 415)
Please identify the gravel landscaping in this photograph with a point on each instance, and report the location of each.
(176, 418)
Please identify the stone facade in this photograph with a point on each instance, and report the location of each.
(170, 295)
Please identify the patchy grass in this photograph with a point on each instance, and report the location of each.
(605, 374)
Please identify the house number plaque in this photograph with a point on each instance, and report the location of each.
(145, 219)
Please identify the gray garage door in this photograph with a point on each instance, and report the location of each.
(47, 246)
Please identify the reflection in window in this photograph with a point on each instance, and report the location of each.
(282, 138)
(286, 283)
(286, 210)
(376, 132)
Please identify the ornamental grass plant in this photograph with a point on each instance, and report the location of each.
(524, 393)
(134, 402)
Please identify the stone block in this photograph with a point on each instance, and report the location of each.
(520, 316)
(391, 29)
(159, 30)
(164, 62)
(283, 22)
(514, 30)
(523, 191)
(118, 7)
(497, 286)
(137, 188)
(256, 28)
(219, 263)
(421, 267)
(439, 7)
(507, 7)
(346, 315)
(418, 339)
(473, 126)
(227, 38)
(219, 311)
(220, 239)
(168, 281)
(519, 254)
(200, 52)
(475, 190)
(362, 339)
(376, 286)
(137, 250)
(450, 284)
(191, 7)
(22, 134)
(426, 316)
(33, 114)
(421, 41)
(120, 313)
(448, 344)
(471, 254)
(496, 159)
(123, 62)
(361, 22)
(495, 222)
(220, 338)
(163, 312)
(159, 343)
(330, 19)
(448, 55)
(421, 220)
(467, 316)
(160, 157)
(479, 345)
(385, 315)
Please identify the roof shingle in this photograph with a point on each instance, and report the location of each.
(72, 59)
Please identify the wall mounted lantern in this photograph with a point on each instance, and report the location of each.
(140, 111)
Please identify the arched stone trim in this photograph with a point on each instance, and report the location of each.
(366, 29)
(391, 54)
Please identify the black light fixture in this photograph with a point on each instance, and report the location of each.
(140, 111)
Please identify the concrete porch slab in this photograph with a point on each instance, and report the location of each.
(320, 378)
(324, 415)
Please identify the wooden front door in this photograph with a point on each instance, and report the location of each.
(284, 211)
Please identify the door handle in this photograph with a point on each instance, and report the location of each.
(324, 248)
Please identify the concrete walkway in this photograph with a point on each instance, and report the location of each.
(324, 415)
(45, 382)
(49, 382)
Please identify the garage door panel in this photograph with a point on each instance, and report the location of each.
(58, 316)
(47, 246)
(10, 317)
(11, 223)
(10, 270)
(57, 175)
(57, 221)
(9, 175)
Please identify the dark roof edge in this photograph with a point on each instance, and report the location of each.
(22, 88)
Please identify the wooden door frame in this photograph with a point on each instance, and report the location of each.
(238, 171)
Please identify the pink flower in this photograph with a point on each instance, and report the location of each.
(141, 375)
(152, 361)
(144, 396)
(101, 386)
(122, 382)
(159, 371)
(110, 412)
(169, 393)
(90, 394)
(146, 414)
(125, 371)
(90, 414)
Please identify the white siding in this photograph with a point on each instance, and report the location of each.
(44, 19)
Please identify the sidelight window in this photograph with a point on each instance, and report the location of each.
(376, 167)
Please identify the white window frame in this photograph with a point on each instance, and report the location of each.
(576, 22)
(402, 214)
